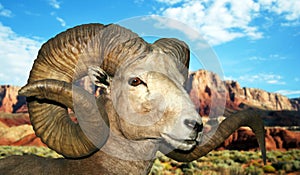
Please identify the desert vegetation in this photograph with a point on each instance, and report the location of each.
(231, 162)
(227, 162)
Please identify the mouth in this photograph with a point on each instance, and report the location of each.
(180, 144)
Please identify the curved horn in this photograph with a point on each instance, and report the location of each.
(178, 50)
(247, 117)
(63, 93)
(66, 58)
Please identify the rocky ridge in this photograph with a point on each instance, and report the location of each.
(206, 88)
(211, 95)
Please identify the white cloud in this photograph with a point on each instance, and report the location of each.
(289, 92)
(228, 77)
(5, 12)
(268, 78)
(62, 21)
(170, 2)
(167, 23)
(59, 19)
(54, 3)
(276, 57)
(271, 57)
(290, 9)
(17, 54)
(290, 24)
(274, 81)
(257, 58)
(221, 21)
(139, 2)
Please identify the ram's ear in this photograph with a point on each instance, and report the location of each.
(100, 78)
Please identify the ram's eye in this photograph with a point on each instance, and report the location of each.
(135, 81)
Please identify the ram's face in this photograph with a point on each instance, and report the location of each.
(151, 102)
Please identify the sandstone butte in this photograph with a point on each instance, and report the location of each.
(210, 95)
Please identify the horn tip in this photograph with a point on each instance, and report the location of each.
(28, 90)
(264, 154)
(23, 91)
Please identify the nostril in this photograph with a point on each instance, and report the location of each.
(190, 123)
(194, 125)
(198, 127)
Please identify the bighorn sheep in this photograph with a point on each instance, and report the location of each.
(143, 109)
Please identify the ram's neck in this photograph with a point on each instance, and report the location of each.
(118, 158)
(134, 158)
(120, 155)
(126, 155)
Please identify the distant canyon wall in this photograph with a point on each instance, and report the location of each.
(207, 89)
(10, 101)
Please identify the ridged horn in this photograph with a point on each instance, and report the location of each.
(249, 117)
(65, 59)
(64, 93)
(178, 50)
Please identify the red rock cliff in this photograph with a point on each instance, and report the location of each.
(207, 89)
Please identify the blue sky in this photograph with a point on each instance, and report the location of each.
(256, 41)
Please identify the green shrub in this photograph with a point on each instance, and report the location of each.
(253, 170)
(296, 165)
(288, 167)
(269, 169)
(279, 165)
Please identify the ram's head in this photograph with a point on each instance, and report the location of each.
(143, 93)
